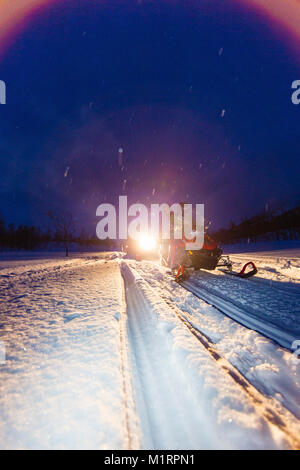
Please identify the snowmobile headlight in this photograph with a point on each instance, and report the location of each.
(147, 243)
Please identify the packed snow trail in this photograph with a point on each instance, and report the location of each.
(272, 370)
(270, 308)
(61, 385)
(252, 306)
(95, 362)
(166, 405)
(182, 387)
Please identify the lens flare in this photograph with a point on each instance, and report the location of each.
(13, 14)
(147, 243)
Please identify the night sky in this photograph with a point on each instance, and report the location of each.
(163, 101)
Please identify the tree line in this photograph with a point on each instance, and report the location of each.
(271, 226)
(268, 225)
(27, 238)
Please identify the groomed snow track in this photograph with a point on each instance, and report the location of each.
(99, 360)
(161, 396)
(243, 315)
(267, 307)
(168, 404)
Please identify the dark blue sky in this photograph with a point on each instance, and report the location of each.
(153, 79)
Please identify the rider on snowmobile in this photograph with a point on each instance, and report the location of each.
(177, 247)
(175, 253)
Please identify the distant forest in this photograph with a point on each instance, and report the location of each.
(30, 238)
(263, 226)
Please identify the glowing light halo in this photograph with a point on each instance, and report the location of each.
(15, 13)
(285, 12)
(147, 243)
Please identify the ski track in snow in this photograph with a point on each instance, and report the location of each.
(232, 413)
(254, 313)
(94, 360)
(166, 405)
(279, 307)
(272, 369)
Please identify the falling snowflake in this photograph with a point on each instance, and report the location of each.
(124, 185)
(120, 156)
(223, 113)
(221, 51)
(200, 166)
(153, 191)
(66, 172)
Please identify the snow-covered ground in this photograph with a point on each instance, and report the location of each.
(108, 353)
(61, 385)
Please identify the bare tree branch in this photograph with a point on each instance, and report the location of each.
(65, 224)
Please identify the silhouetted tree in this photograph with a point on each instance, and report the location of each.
(64, 226)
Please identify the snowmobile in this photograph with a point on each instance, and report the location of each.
(174, 254)
(210, 257)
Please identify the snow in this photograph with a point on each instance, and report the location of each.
(215, 411)
(61, 385)
(106, 353)
(271, 368)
